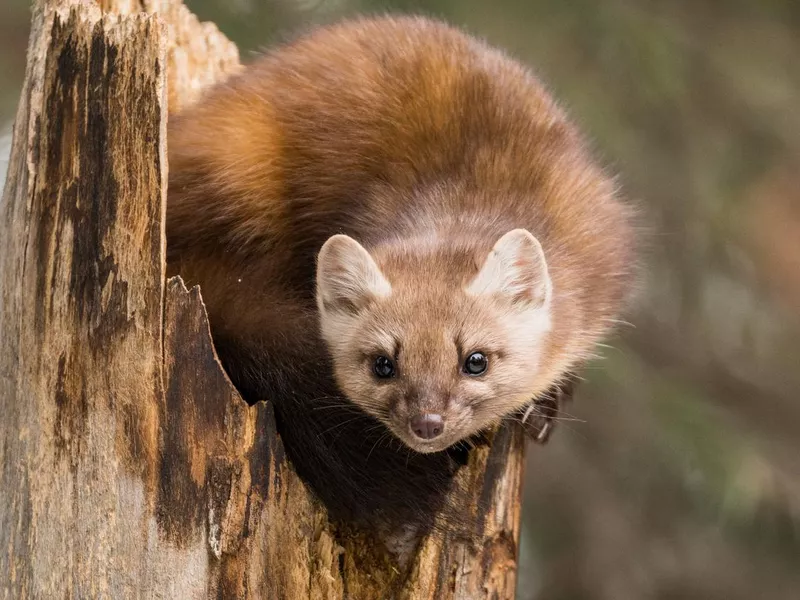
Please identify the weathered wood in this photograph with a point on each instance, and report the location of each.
(197, 53)
(81, 289)
(130, 466)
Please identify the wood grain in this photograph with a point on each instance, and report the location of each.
(80, 286)
(130, 466)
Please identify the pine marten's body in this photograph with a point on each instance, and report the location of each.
(400, 240)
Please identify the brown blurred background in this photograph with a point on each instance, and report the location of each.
(677, 473)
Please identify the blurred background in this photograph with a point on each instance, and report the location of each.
(676, 474)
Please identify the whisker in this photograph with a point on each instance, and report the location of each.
(375, 444)
(553, 418)
(340, 424)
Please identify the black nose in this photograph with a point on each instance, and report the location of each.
(426, 426)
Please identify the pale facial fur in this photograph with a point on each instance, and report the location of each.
(427, 316)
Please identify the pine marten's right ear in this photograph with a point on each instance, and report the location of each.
(347, 276)
(515, 269)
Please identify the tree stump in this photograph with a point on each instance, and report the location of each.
(130, 466)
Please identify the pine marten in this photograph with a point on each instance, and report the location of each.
(401, 240)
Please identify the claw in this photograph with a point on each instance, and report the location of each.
(538, 418)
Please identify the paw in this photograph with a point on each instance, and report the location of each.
(539, 417)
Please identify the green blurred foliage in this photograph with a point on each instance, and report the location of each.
(676, 473)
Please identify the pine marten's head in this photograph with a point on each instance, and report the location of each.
(436, 342)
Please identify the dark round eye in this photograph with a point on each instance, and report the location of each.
(476, 364)
(383, 367)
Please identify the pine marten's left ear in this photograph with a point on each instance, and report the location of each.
(347, 276)
(516, 269)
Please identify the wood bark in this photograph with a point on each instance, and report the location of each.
(129, 466)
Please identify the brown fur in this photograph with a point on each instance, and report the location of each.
(422, 143)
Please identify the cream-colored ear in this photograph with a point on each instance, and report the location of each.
(515, 268)
(347, 276)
